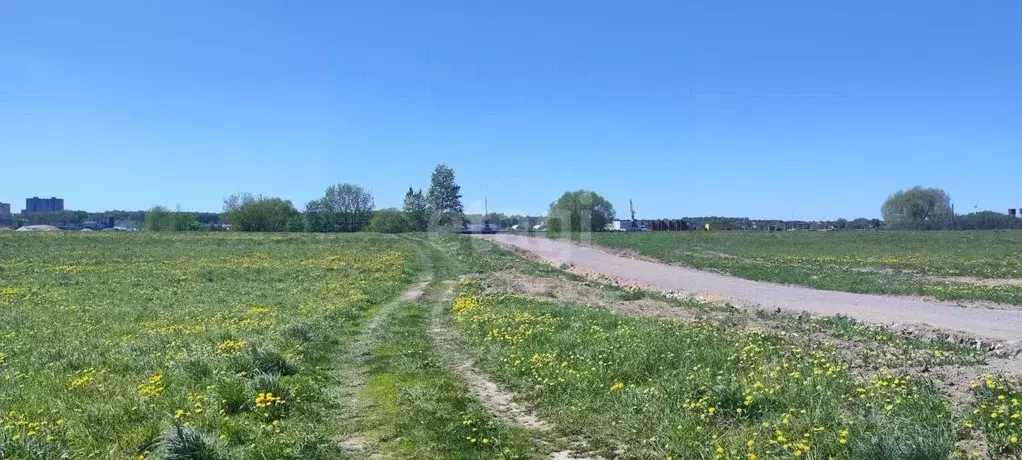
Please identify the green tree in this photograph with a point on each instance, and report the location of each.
(245, 212)
(580, 211)
(987, 220)
(390, 221)
(416, 210)
(181, 222)
(444, 198)
(860, 223)
(917, 208)
(296, 224)
(343, 208)
(156, 219)
(553, 224)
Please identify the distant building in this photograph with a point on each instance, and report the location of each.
(625, 225)
(36, 204)
(5, 213)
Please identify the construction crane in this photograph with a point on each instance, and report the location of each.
(635, 225)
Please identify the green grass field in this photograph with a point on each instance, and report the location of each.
(912, 263)
(107, 341)
(275, 346)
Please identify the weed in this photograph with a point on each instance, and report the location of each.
(628, 295)
(301, 332)
(187, 443)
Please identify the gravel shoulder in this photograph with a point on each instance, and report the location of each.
(995, 324)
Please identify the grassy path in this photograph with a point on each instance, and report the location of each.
(404, 401)
(354, 373)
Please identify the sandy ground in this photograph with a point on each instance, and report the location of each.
(996, 324)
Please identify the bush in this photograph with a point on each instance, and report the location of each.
(248, 213)
(581, 211)
(553, 224)
(987, 220)
(390, 221)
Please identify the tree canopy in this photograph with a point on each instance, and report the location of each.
(343, 208)
(248, 213)
(444, 197)
(416, 209)
(156, 219)
(580, 211)
(917, 208)
(987, 220)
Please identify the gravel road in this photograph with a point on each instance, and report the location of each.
(981, 323)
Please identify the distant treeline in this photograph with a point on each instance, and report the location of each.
(128, 219)
(350, 208)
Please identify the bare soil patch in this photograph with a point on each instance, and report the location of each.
(581, 294)
(976, 281)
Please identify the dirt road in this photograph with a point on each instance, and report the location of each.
(980, 323)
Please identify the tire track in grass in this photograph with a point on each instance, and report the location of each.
(402, 403)
(356, 372)
(501, 403)
(445, 340)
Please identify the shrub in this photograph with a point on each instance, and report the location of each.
(390, 221)
(248, 213)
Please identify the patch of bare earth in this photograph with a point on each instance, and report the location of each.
(976, 281)
(580, 294)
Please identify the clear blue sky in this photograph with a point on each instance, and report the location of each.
(746, 108)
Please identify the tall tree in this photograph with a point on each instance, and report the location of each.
(416, 209)
(580, 211)
(444, 197)
(343, 208)
(353, 205)
(917, 208)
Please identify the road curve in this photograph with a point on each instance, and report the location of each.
(982, 323)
